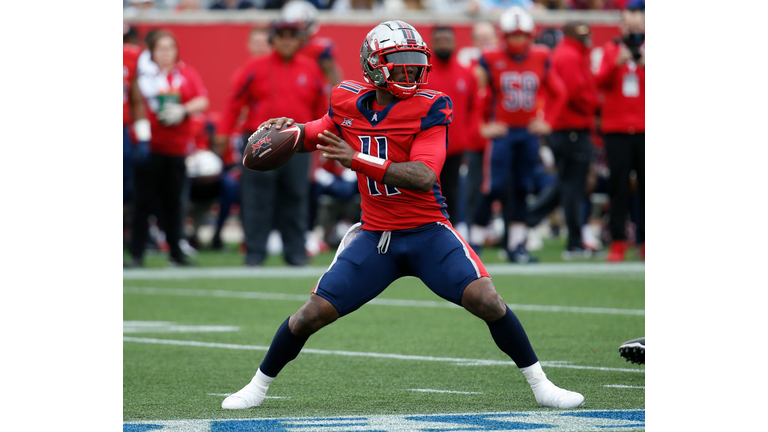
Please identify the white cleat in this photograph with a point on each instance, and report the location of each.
(549, 395)
(249, 396)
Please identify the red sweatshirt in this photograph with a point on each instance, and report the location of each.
(272, 87)
(184, 84)
(460, 84)
(571, 61)
(624, 88)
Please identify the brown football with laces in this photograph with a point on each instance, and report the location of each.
(271, 148)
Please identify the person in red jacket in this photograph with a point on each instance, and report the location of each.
(281, 83)
(172, 91)
(484, 37)
(458, 82)
(525, 96)
(570, 140)
(320, 49)
(622, 79)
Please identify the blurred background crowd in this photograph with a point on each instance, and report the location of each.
(437, 6)
(575, 169)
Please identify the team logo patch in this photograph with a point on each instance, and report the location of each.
(560, 421)
(255, 147)
(347, 122)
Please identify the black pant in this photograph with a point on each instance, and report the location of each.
(449, 184)
(160, 176)
(472, 195)
(573, 152)
(625, 152)
(280, 199)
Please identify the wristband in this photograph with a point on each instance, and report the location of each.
(142, 130)
(370, 166)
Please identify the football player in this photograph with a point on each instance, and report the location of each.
(320, 49)
(525, 96)
(133, 111)
(394, 136)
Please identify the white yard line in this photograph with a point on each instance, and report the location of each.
(623, 386)
(443, 391)
(455, 361)
(553, 269)
(253, 295)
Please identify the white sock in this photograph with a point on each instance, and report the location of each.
(548, 394)
(477, 235)
(517, 233)
(261, 379)
(462, 229)
(534, 373)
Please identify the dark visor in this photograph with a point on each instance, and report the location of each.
(406, 57)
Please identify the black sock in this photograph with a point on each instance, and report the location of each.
(285, 347)
(510, 337)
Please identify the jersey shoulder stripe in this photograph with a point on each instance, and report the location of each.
(440, 112)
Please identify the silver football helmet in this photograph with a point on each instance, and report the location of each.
(391, 45)
(301, 12)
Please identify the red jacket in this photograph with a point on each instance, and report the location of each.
(460, 84)
(571, 61)
(272, 87)
(624, 88)
(185, 84)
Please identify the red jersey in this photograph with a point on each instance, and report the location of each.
(515, 83)
(271, 87)
(570, 60)
(184, 84)
(318, 49)
(624, 89)
(459, 83)
(130, 61)
(478, 142)
(412, 129)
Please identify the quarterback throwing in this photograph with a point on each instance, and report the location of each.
(394, 136)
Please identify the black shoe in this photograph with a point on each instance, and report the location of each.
(133, 263)
(181, 262)
(297, 261)
(217, 244)
(254, 260)
(634, 350)
(577, 252)
(521, 256)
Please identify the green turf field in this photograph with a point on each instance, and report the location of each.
(184, 372)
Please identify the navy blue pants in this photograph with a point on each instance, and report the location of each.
(510, 166)
(365, 264)
(127, 165)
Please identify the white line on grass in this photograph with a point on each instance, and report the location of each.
(553, 269)
(456, 361)
(624, 386)
(185, 292)
(443, 391)
(170, 327)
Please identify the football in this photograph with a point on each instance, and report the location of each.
(269, 149)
